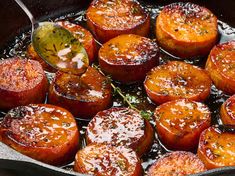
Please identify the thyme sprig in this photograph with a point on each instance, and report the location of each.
(126, 98)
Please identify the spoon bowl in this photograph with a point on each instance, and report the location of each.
(57, 46)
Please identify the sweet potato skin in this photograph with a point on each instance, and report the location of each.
(186, 30)
(177, 80)
(220, 66)
(227, 111)
(44, 132)
(105, 160)
(127, 58)
(216, 148)
(177, 163)
(179, 123)
(108, 19)
(22, 82)
(83, 96)
(121, 127)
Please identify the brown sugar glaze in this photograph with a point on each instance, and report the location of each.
(136, 92)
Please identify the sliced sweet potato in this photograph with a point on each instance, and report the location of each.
(108, 19)
(186, 29)
(101, 159)
(83, 96)
(22, 82)
(227, 111)
(179, 123)
(44, 132)
(127, 58)
(221, 66)
(216, 148)
(121, 126)
(177, 80)
(177, 164)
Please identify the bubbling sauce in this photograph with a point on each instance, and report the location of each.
(136, 92)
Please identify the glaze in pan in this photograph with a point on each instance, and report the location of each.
(14, 39)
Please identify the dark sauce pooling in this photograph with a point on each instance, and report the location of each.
(136, 93)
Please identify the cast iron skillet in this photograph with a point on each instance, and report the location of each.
(13, 21)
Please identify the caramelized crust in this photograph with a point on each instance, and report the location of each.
(127, 58)
(177, 80)
(101, 159)
(108, 19)
(44, 132)
(227, 111)
(83, 35)
(121, 127)
(221, 66)
(83, 96)
(179, 123)
(216, 148)
(177, 164)
(21, 82)
(186, 29)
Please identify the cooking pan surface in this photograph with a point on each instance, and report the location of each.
(226, 23)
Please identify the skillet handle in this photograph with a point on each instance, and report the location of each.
(11, 159)
(6, 153)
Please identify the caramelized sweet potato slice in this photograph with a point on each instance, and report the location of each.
(186, 29)
(101, 159)
(22, 82)
(179, 123)
(121, 126)
(177, 164)
(83, 96)
(108, 19)
(177, 80)
(227, 111)
(221, 66)
(216, 148)
(83, 35)
(44, 132)
(127, 58)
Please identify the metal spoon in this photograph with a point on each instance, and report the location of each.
(29, 14)
(57, 46)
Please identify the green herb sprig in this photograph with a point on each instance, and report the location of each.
(126, 98)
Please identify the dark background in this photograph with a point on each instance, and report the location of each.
(13, 20)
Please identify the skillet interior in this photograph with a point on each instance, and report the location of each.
(13, 22)
(13, 19)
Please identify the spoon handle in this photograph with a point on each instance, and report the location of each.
(28, 13)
